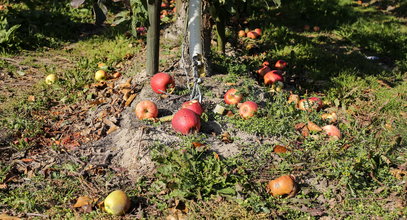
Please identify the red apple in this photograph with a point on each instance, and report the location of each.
(193, 105)
(248, 109)
(333, 131)
(161, 81)
(262, 71)
(232, 97)
(281, 64)
(252, 35)
(242, 33)
(258, 31)
(186, 121)
(272, 77)
(164, 5)
(146, 110)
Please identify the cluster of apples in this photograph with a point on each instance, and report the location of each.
(168, 9)
(315, 104)
(246, 109)
(186, 120)
(254, 34)
(274, 77)
(101, 73)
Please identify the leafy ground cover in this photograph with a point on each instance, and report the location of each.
(356, 63)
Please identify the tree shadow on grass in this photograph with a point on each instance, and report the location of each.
(51, 25)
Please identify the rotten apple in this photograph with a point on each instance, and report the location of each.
(232, 97)
(160, 82)
(248, 109)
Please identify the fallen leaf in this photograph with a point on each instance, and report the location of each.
(305, 131)
(26, 160)
(197, 144)
(383, 83)
(226, 138)
(299, 126)
(293, 99)
(31, 98)
(313, 127)
(3, 186)
(130, 100)
(399, 174)
(7, 217)
(84, 202)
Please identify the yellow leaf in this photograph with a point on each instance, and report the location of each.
(83, 201)
(7, 217)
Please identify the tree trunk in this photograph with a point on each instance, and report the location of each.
(153, 36)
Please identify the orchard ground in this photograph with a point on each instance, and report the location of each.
(65, 146)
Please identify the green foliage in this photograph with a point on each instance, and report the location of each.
(193, 173)
(7, 34)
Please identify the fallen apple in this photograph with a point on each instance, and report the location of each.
(160, 82)
(258, 31)
(262, 71)
(333, 131)
(283, 185)
(193, 105)
(242, 33)
(248, 109)
(232, 97)
(186, 121)
(100, 75)
(50, 79)
(310, 104)
(146, 110)
(117, 203)
(252, 35)
(272, 77)
(281, 64)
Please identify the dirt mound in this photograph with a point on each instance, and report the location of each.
(130, 145)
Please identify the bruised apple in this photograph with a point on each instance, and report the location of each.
(186, 121)
(232, 97)
(248, 109)
(160, 82)
(117, 203)
(193, 105)
(146, 110)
